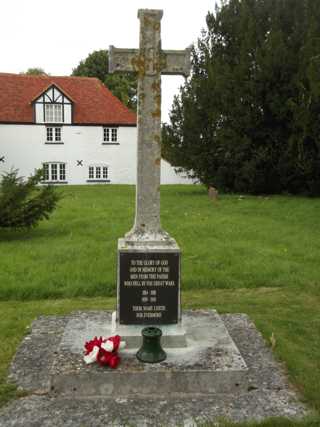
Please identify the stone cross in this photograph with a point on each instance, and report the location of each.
(149, 62)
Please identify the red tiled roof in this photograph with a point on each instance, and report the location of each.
(93, 102)
(47, 88)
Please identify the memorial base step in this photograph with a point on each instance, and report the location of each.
(209, 363)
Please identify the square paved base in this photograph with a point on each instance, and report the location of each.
(209, 363)
(48, 364)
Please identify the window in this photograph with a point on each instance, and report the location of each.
(114, 135)
(54, 172)
(53, 113)
(58, 134)
(49, 134)
(98, 173)
(46, 172)
(54, 134)
(110, 135)
(62, 172)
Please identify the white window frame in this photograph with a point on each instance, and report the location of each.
(54, 135)
(91, 172)
(110, 135)
(53, 113)
(98, 173)
(54, 172)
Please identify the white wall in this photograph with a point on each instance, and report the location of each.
(24, 148)
(169, 176)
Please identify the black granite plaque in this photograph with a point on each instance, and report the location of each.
(149, 287)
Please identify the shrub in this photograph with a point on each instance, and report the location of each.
(23, 203)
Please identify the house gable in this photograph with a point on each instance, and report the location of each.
(53, 106)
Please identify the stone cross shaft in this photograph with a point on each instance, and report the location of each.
(149, 62)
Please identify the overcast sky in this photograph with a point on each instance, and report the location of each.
(56, 35)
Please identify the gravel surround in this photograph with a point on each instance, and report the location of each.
(268, 393)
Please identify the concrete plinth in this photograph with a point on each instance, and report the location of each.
(208, 363)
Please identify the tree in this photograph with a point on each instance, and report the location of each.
(248, 118)
(22, 203)
(36, 71)
(123, 86)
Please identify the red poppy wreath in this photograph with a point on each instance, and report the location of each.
(104, 351)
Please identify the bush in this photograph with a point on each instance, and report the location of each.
(23, 203)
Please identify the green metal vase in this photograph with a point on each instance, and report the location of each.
(151, 350)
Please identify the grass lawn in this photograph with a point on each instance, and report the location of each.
(257, 255)
(237, 243)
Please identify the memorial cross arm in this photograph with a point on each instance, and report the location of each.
(176, 62)
(173, 62)
(123, 60)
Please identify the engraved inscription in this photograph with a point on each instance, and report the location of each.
(149, 288)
